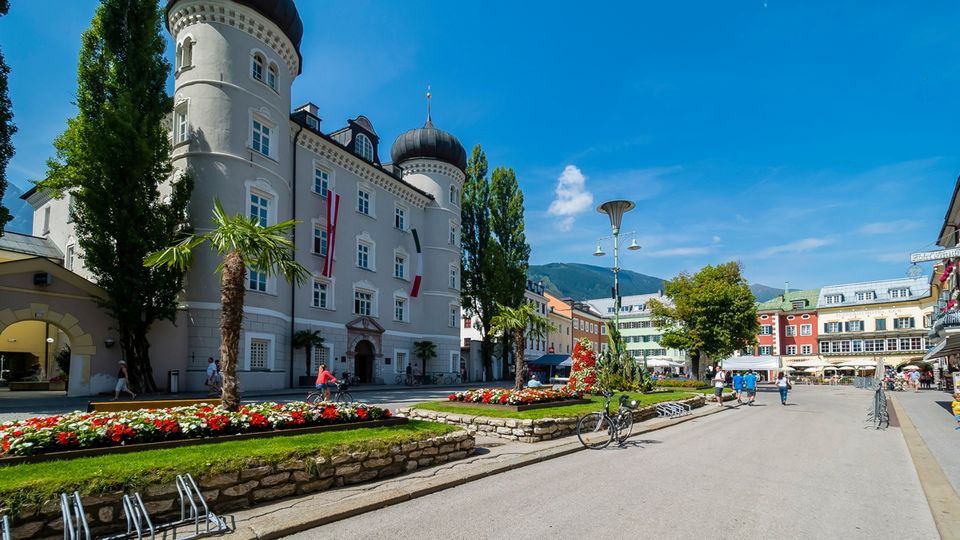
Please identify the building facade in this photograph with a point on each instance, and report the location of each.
(886, 319)
(560, 337)
(639, 331)
(587, 323)
(788, 326)
(381, 240)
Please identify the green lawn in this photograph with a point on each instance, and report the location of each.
(34, 482)
(596, 403)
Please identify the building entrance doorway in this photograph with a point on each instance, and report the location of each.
(363, 356)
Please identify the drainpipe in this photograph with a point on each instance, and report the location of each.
(293, 286)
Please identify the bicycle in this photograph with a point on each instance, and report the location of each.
(597, 430)
(341, 396)
(451, 378)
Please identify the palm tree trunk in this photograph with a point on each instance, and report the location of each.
(231, 319)
(307, 350)
(520, 344)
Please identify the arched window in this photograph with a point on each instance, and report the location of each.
(257, 67)
(179, 58)
(187, 51)
(272, 74)
(363, 147)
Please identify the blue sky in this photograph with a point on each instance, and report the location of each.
(813, 141)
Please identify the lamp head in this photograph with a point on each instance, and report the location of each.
(634, 246)
(615, 210)
(599, 252)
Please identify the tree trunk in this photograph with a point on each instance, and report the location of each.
(506, 357)
(700, 365)
(307, 364)
(520, 344)
(231, 320)
(136, 349)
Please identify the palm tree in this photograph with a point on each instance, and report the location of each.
(424, 350)
(242, 242)
(307, 340)
(519, 322)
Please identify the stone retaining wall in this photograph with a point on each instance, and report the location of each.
(522, 430)
(258, 483)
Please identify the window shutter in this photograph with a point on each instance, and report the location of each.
(912, 323)
(826, 328)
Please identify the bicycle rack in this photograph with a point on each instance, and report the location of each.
(5, 529)
(138, 521)
(75, 526)
(190, 498)
(673, 409)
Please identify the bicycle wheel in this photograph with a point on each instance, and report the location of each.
(343, 397)
(448, 379)
(595, 430)
(314, 397)
(624, 426)
(398, 379)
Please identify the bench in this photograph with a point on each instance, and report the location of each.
(118, 406)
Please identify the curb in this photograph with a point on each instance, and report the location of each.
(941, 497)
(300, 521)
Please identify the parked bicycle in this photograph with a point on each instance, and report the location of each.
(597, 430)
(405, 379)
(340, 396)
(350, 378)
(451, 378)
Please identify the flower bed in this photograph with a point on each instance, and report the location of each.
(99, 430)
(681, 383)
(506, 396)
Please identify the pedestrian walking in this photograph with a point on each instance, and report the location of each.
(213, 377)
(719, 381)
(122, 382)
(784, 386)
(956, 408)
(750, 385)
(915, 380)
(737, 385)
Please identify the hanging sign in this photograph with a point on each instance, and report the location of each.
(924, 256)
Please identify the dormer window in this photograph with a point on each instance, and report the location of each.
(833, 299)
(902, 292)
(313, 123)
(363, 147)
(798, 304)
(866, 295)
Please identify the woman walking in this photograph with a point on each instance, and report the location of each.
(783, 385)
(122, 382)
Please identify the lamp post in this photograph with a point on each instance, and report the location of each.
(615, 210)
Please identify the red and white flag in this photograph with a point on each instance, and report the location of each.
(333, 211)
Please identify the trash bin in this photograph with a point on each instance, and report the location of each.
(173, 381)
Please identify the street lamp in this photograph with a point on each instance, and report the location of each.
(615, 210)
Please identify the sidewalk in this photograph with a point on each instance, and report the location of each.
(930, 412)
(492, 456)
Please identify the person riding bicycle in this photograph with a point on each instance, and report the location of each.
(324, 380)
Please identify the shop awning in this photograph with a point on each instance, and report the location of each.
(756, 363)
(549, 360)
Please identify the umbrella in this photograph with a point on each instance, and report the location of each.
(861, 363)
(788, 369)
(910, 368)
(811, 370)
(657, 362)
(810, 363)
(566, 363)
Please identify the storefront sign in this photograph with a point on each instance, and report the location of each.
(924, 256)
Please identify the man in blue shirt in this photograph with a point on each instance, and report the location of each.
(737, 385)
(750, 384)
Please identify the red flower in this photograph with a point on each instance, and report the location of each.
(452, 397)
(329, 413)
(362, 413)
(386, 413)
(217, 421)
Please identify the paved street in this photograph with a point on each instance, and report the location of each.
(930, 412)
(809, 470)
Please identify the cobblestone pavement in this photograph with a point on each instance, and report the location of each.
(807, 470)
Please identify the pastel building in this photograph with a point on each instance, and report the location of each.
(788, 326)
(366, 218)
(639, 330)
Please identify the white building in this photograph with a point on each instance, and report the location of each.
(232, 129)
(637, 327)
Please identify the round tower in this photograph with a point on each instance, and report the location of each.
(434, 161)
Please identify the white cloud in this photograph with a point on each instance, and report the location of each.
(888, 227)
(679, 252)
(806, 244)
(715, 239)
(571, 199)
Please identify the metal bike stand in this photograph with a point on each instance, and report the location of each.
(138, 521)
(191, 502)
(5, 528)
(75, 526)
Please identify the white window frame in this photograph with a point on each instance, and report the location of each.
(400, 217)
(401, 254)
(767, 348)
(453, 315)
(866, 295)
(766, 330)
(69, 259)
(790, 331)
(366, 287)
(258, 65)
(181, 122)
(454, 362)
(898, 326)
(397, 368)
(824, 347)
(806, 349)
(370, 200)
(46, 219)
(806, 329)
(266, 131)
(329, 293)
(184, 59)
(315, 361)
(454, 233)
(362, 145)
(319, 225)
(791, 350)
(833, 299)
(900, 292)
(454, 194)
(453, 277)
(401, 296)
(364, 239)
(317, 170)
(271, 340)
(273, 76)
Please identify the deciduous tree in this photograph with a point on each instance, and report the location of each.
(7, 129)
(114, 160)
(477, 269)
(711, 313)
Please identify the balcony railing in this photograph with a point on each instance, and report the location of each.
(947, 320)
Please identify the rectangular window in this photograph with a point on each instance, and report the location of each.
(835, 346)
(870, 345)
(905, 344)
(363, 256)
(453, 278)
(468, 322)
(400, 361)
(902, 292)
(916, 344)
(260, 209)
(766, 329)
(399, 219)
(824, 347)
(798, 304)
(258, 354)
(791, 331)
(362, 302)
(454, 315)
(272, 78)
(453, 235)
(833, 298)
(321, 181)
(881, 324)
(831, 327)
(261, 138)
(399, 309)
(844, 346)
(258, 280)
(68, 260)
(321, 355)
(257, 68)
(903, 322)
(363, 202)
(765, 351)
(806, 349)
(320, 294)
(892, 344)
(855, 326)
(866, 295)
(180, 135)
(320, 240)
(791, 349)
(806, 329)
(399, 267)
(857, 345)
(46, 220)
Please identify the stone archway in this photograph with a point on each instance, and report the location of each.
(82, 345)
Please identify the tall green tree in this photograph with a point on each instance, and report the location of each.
(424, 351)
(307, 340)
(477, 266)
(710, 315)
(519, 323)
(7, 129)
(114, 160)
(510, 253)
(242, 242)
